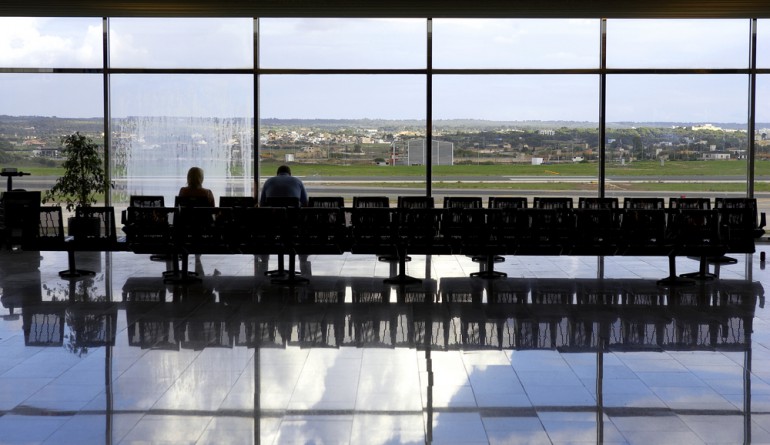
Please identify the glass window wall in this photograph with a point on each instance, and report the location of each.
(181, 43)
(344, 135)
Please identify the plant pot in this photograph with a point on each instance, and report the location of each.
(84, 227)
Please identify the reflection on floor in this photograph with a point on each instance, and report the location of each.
(565, 350)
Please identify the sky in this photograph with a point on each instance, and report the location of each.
(383, 44)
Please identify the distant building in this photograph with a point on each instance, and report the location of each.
(716, 156)
(442, 152)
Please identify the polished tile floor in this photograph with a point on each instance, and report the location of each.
(563, 350)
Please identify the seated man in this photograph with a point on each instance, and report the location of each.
(283, 185)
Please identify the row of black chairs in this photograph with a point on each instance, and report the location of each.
(481, 232)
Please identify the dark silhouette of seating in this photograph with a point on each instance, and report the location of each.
(237, 201)
(552, 203)
(597, 203)
(335, 202)
(507, 202)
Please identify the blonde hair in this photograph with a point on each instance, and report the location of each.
(195, 177)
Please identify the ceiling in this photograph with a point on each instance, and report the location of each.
(391, 8)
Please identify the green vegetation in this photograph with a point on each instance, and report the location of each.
(639, 168)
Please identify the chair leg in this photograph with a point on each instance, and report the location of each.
(291, 276)
(703, 273)
(489, 271)
(72, 272)
(402, 277)
(673, 279)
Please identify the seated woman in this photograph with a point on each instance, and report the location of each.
(194, 189)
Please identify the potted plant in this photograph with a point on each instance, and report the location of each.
(84, 178)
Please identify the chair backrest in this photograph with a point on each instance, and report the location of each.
(552, 203)
(197, 225)
(507, 202)
(415, 202)
(21, 209)
(149, 225)
(105, 215)
(689, 203)
(191, 201)
(361, 202)
(320, 225)
(332, 202)
(262, 228)
(597, 203)
(50, 229)
(462, 202)
(146, 201)
(285, 202)
(237, 201)
(644, 203)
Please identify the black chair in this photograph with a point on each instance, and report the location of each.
(742, 220)
(551, 230)
(334, 202)
(201, 230)
(370, 201)
(21, 212)
(191, 201)
(468, 232)
(683, 203)
(319, 231)
(462, 202)
(237, 201)
(415, 202)
(146, 201)
(597, 203)
(507, 202)
(417, 230)
(643, 232)
(361, 202)
(689, 203)
(372, 231)
(285, 202)
(95, 231)
(149, 230)
(597, 231)
(552, 203)
(260, 230)
(644, 203)
(692, 232)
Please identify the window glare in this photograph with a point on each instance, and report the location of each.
(509, 43)
(28, 42)
(181, 43)
(342, 43)
(667, 43)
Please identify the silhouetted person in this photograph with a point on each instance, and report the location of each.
(283, 185)
(195, 189)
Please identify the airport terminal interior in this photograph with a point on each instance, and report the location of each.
(622, 99)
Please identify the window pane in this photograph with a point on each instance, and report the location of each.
(521, 43)
(763, 43)
(762, 144)
(342, 43)
(164, 124)
(36, 111)
(667, 43)
(677, 135)
(339, 133)
(504, 130)
(181, 43)
(27, 42)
